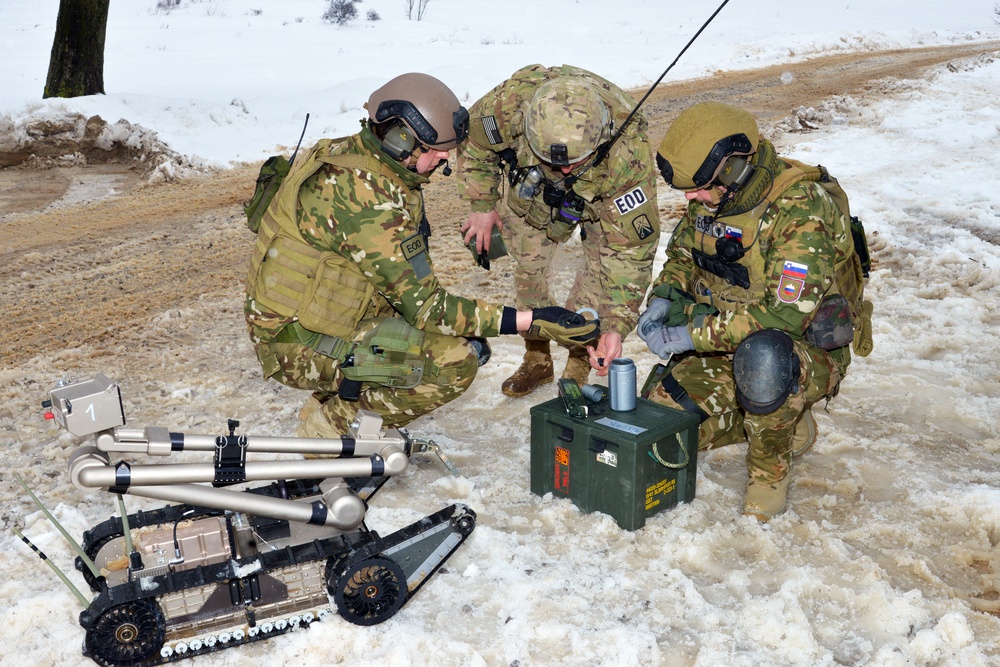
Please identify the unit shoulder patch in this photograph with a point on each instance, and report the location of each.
(643, 228)
(792, 281)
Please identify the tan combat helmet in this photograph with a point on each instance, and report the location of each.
(696, 149)
(566, 120)
(426, 107)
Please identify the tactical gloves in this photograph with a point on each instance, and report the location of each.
(563, 326)
(665, 341)
(652, 318)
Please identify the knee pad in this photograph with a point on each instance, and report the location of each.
(766, 370)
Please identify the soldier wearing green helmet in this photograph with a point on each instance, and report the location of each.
(760, 298)
(530, 168)
(341, 296)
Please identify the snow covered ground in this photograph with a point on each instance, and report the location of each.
(889, 546)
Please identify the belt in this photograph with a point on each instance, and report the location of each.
(329, 346)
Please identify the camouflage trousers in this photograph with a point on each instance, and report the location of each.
(449, 369)
(708, 382)
(533, 251)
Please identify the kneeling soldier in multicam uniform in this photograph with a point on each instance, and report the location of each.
(342, 298)
(763, 284)
(544, 127)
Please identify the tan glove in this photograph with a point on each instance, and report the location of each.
(563, 326)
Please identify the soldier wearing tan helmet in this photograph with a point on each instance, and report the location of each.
(341, 297)
(760, 298)
(530, 168)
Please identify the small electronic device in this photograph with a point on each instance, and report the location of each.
(572, 398)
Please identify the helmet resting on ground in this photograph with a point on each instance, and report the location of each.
(698, 144)
(566, 120)
(425, 106)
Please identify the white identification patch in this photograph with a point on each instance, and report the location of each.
(608, 458)
(630, 201)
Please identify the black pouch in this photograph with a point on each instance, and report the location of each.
(272, 173)
(861, 245)
(832, 327)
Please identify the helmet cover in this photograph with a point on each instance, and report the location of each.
(566, 120)
(697, 144)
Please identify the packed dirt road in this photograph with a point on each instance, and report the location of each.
(88, 251)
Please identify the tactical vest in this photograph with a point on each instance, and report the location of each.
(535, 211)
(326, 291)
(712, 288)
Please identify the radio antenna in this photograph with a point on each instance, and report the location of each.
(604, 149)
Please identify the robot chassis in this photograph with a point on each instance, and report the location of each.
(222, 567)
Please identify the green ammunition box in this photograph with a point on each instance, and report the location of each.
(629, 465)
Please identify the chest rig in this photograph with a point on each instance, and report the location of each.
(734, 276)
(324, 290)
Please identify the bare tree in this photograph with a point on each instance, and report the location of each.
(419, 5)
(76, 65)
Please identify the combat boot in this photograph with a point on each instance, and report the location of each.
(805, 433)
(578, 366)
(765, 500)
(535, 370)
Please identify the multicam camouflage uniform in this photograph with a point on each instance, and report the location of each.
(792, 251)
(619, 221)
(357, 256)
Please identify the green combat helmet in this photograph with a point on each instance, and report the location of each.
(566, 121)
(697, 147)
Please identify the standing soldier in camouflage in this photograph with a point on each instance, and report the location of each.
(544, 128)
(763, 284)
(341, 294)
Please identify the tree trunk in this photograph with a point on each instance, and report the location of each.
(76, 65)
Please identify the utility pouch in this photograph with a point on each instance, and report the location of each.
(558, 231)
(832, 326)
(390, 354)
(272, 173)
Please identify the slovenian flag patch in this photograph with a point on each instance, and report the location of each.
(795, 270)
(793, 279)
(734, 233)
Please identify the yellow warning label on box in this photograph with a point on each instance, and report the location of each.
(661, 488)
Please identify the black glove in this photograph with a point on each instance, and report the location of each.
(563, 326)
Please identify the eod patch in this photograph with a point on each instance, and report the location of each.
(414, 249)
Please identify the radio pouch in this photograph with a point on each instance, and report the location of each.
(272, 173)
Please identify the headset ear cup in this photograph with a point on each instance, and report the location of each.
(399, 142)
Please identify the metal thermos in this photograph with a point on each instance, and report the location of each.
(621, 385)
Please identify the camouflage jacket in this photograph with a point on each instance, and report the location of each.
(619, 193)
(791, 253)
(374, 220)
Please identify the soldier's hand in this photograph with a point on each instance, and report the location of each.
(652, 318)
(480, 226)
(563, 326)
(665, 341)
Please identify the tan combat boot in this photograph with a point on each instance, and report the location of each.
(764, 501)
(535, 370)
(578, 366)
(805, 433)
